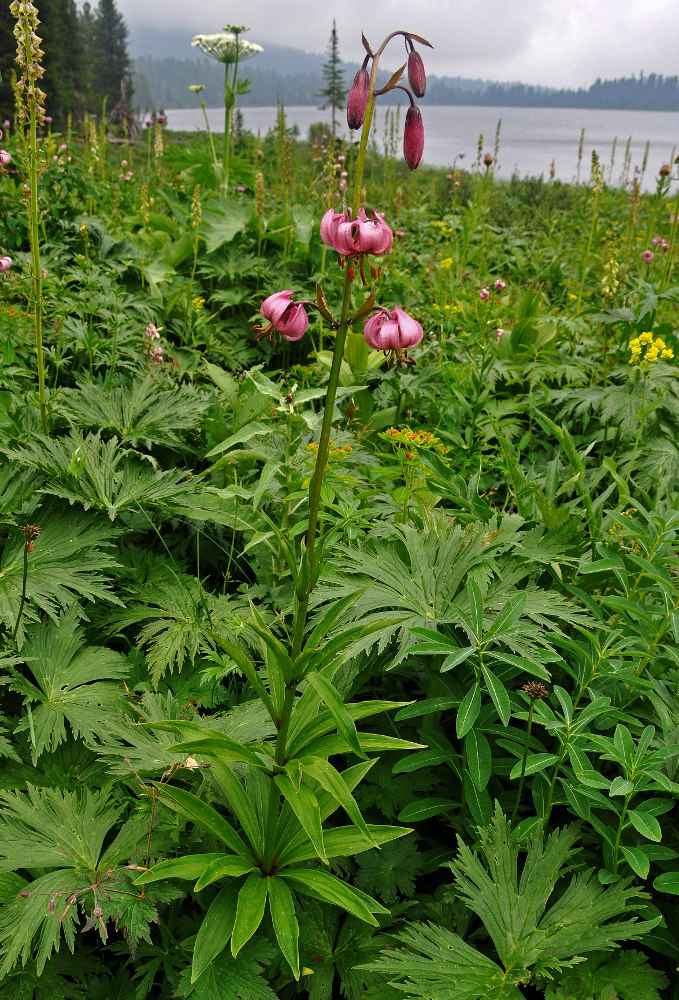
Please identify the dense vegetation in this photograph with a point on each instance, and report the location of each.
(86, 58)
(454, 774)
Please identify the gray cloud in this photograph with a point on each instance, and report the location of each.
(561, 43)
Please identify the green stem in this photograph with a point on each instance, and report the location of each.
(23, 593)
(589, 248)
(209, 133)
(621, 824)
(642, 421)
(35, 252)
(525, 758)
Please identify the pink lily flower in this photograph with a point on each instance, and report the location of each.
(284, 315)
(393, 333)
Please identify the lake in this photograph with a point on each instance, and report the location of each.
(530, 138)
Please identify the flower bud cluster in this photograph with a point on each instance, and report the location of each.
(152, 349)
(28, 57)
(360, 93)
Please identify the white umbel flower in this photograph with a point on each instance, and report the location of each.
(226, 47)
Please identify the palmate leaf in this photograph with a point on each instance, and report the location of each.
(438, 964)
(64, 831)
(70, 560)
(530, 939)
(514, 906)
(73, 684)
(625, 976)
(177, 618)
(138, 411)
(229, 978)
(104, 476)
(424, 573)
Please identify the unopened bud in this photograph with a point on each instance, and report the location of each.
(416, 75)
(358, 99)
(413, 138)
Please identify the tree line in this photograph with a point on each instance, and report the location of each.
(86, 57)
(164, 82)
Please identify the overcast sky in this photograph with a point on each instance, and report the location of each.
(560, 43)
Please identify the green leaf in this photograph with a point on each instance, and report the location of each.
(249, 911)
(479, 758)
(74, 684)
(332, 700)
(645, 824)
(223, 867)
(285, 925)
(191, 866)
(468, 712)
(321, 885)
(343, 842)
(498, 693)
(304, 804)
(535, 762)
(454, 659)
(667, 882)
(332, 781)
(204, 816)
(425, 808)
(215, 930)
(637, 861)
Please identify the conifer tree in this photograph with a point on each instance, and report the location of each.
(334, 92)
(108, 55)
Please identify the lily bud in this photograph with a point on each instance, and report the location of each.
(358, 99)
(416, 75)
(413, 137)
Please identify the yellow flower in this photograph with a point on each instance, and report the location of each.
(667, 353)
(447, 263)
(646, 338)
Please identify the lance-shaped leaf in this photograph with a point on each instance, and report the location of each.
(225, 866)
(239, 803)
(331, 698)
(249, 911)
(303, 735)
(363, 310)
(273, 644)
(332, 781)
(323, 306)
(246, 667)
(207, 741)
(321, 885)
(215, 930)
(392, 81)
(285, 925)
(304, 804)
(343, 842)
(191, 866)
(204, 816)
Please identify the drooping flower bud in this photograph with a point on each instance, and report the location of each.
(413, 137)
(416, 74)
(5, 263)
(358, 99)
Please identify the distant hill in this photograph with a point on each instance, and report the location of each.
(165, 65)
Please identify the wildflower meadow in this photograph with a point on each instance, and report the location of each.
(338, 574)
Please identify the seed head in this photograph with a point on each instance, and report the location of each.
(535, 690)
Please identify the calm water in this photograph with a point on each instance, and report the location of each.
(530, 138)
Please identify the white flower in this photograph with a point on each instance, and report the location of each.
(225, 46)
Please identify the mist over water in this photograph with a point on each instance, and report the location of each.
(530, 138)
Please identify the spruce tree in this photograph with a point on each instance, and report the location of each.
(108, 55)
(334, 92)
(63, 59)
